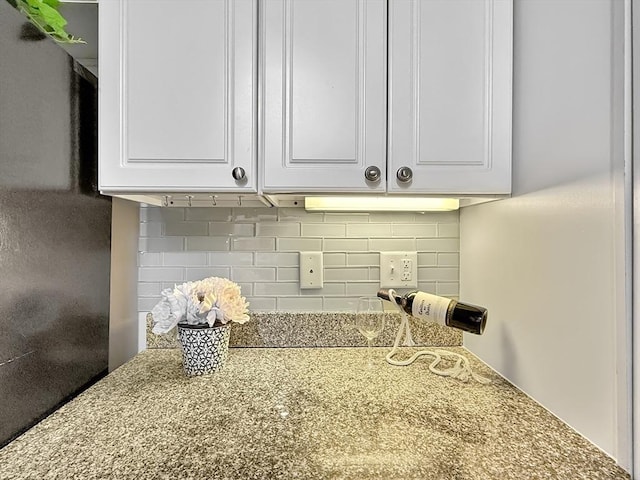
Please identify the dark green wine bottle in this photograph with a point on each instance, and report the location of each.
(445, 311)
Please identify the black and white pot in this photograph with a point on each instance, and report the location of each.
(204, 349)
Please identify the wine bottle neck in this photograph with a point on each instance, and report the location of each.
(384, 294)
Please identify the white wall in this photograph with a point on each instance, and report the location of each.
(635, 182)
(547, 262)
(123, 320)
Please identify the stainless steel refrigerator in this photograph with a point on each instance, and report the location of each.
(54, 229)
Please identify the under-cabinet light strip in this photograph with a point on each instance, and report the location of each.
(377, 204)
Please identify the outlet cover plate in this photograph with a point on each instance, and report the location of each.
(311, 269)
(399, 269)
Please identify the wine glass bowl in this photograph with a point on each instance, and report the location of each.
(370, 320)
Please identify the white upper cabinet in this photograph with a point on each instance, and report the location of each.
(323, 66)
(182, 83)
(450, 69)
(178, 95)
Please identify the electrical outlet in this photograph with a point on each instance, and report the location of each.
(398, 269)
(311, 270)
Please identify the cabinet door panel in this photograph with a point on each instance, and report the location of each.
(179, 99)
(328, 73)
(324, 94)
(174, 93)
(450, 95)
(452, 125)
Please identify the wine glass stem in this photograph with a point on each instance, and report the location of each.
(369, 354)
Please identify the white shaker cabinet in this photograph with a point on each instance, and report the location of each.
(178, 95)
(323, 95)
(205, 96)
(450, 70)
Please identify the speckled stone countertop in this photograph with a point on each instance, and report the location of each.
(306, 413)
(286, 329)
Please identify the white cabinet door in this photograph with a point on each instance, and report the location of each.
(178, 95)
(450, 64)
(323, 92)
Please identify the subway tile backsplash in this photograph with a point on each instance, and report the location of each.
(258, 249)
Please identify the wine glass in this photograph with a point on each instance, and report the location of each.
(370, 320)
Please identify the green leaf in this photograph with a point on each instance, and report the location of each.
(44, 15)
(52, 17)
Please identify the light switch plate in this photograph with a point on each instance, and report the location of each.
(398, 269)
(311, 270)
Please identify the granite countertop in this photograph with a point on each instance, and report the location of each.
(308, 413)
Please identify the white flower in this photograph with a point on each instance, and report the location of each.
(229, 300)
(212, 300)
(208, 301)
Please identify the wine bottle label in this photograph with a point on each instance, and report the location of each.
(430, 307)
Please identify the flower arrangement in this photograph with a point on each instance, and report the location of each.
(214, 301)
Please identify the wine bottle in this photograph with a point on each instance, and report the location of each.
(445, 311)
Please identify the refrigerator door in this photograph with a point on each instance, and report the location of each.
(54, 229)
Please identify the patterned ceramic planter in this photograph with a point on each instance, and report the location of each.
(204, 349)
